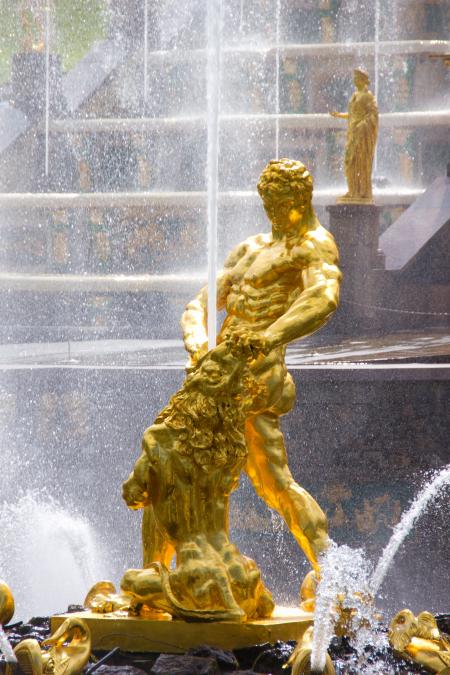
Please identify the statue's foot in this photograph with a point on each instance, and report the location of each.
(102, 598)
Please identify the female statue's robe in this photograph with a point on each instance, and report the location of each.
(361, 141)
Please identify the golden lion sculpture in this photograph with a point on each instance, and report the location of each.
(191, 460)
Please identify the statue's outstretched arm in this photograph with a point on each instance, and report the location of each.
(313, 307)
(339, 115)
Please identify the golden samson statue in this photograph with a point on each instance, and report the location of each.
(362, 134)
(275, 288)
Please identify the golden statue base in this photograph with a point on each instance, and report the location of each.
(160, 633)
(354, 200)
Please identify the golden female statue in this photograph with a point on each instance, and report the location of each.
(362, 133)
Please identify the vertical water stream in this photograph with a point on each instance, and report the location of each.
(376, 69)
(214, 30)
(47, 85)
(277, 79)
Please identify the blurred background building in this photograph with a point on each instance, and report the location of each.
(103, 145)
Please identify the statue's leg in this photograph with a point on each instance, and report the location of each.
(268, 470)
(155, 546)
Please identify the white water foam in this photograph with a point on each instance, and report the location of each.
(348, 579)
(6, 648)
(48, 556)
(345, 581)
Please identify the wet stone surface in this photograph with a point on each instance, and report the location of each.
(120, 670)
(37, 628)
(171, 664)
(271, 658)
(226, 660)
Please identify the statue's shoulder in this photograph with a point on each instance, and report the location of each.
(258, 240)
(252, 243)
(318, 245)
(325, 244)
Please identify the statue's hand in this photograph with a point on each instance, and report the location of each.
(250, 344)
(335, 113)
(196, 352)
(134, 495)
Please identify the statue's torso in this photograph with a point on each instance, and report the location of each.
(267, 279)
(264, 282)
(360, 106)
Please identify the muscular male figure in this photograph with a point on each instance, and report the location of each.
(276, 288)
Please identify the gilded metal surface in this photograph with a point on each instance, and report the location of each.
(362, 134)
(417, 638)
(70, 648)
(6, 603)
(191, 460)
(160, 633)
(308, 591)
(300, 659)
(276, 287)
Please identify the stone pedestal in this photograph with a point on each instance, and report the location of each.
(355, 228)
(164, 634)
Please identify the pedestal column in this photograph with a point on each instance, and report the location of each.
(355, 228)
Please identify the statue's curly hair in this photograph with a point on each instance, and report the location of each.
(285, 176)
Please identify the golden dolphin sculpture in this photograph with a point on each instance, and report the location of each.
(300, 659)
(418, 639)
(70, 648)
